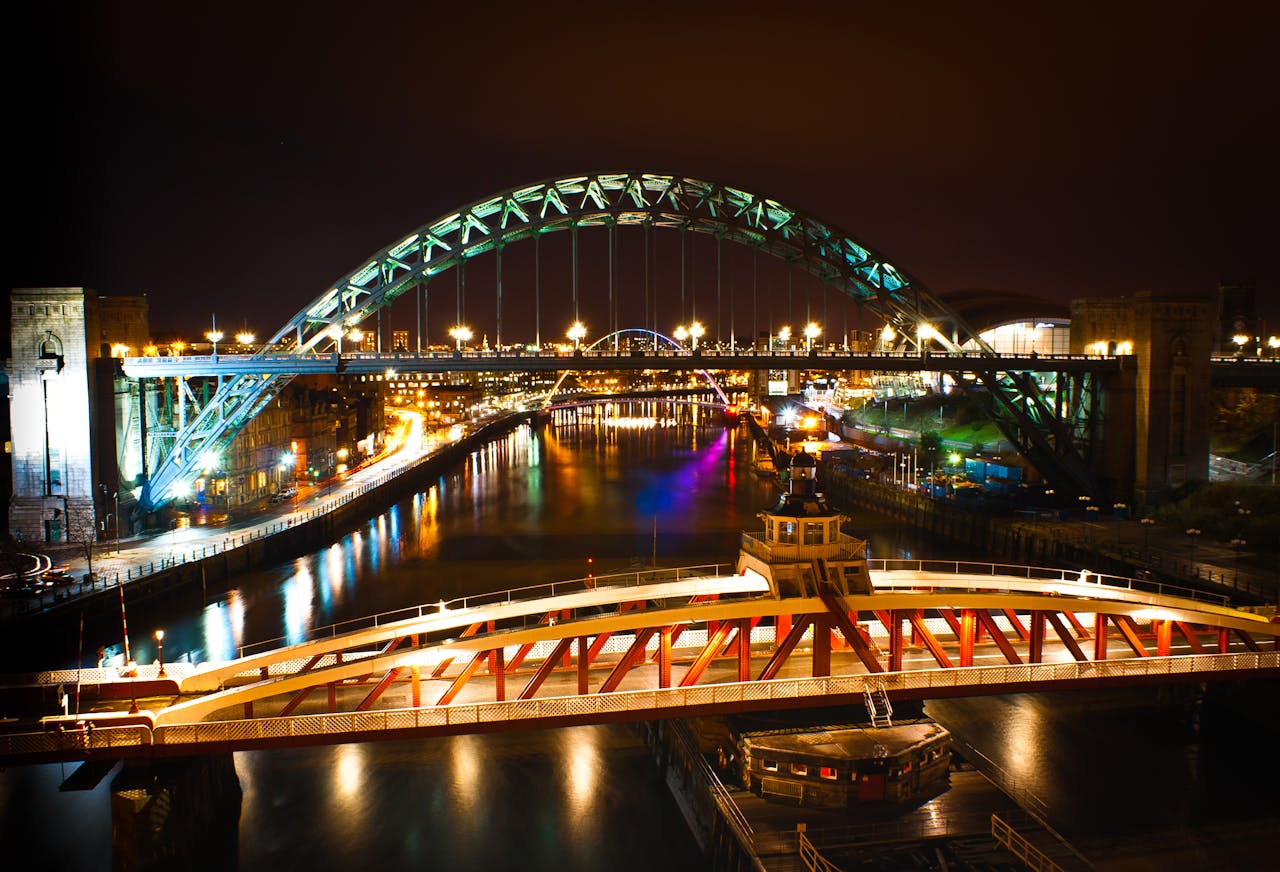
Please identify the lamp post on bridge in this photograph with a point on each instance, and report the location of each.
(811, 332)
(784, 336)
(461, 333)
(577, 331)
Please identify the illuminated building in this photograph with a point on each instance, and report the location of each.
(68, 414)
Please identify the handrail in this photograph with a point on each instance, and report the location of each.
(635, 578)
(1044, 573)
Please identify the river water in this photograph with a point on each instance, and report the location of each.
(580, 496)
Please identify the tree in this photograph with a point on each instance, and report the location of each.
(930, 446)
(83, 530)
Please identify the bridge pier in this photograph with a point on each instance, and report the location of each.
(179, 813)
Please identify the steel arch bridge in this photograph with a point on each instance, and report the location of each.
(643, 333)
(1051, 438)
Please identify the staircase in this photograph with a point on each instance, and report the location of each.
(878, 706)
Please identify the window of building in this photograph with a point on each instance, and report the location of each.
(769, 765)
(799, 768)
(787, 532)
(813, 532)
(827, 772)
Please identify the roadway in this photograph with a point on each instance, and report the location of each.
(516, 360)
(129, 560)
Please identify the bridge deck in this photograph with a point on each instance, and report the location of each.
(653, 648)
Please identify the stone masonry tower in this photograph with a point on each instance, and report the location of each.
(60, 379)
(1155, 427)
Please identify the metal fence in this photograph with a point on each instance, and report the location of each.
(343, 725)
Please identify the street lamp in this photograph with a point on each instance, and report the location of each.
(577, 331)
(214, 335)
(695, 330)
(811, 332)
(244, 337)
(924, 333)
(160, 646)
(460, 334)
(334, 332)
(1273, 342)
(784, 336)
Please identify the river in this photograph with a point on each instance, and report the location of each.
(579, 496)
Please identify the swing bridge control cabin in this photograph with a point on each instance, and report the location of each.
(844, 766)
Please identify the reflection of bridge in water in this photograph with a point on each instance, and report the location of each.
(666, 643)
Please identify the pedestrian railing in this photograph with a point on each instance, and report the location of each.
(673, 701)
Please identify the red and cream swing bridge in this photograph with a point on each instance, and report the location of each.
(802, 621)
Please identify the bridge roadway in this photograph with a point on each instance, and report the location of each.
(367, 363)
(653, 644)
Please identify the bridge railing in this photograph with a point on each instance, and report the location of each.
(671, 701)
(1046, 573)
(636, 578)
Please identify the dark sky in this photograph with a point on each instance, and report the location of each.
(242, 157)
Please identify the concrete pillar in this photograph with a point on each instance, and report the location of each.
(180, 813)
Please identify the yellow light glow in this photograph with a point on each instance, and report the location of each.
(887, 333)
(784, 333)
(177, 347)
(1240, 339)
(213, 335)
(1124, 348)
(120, 350)
(812, 330)
(245, 338)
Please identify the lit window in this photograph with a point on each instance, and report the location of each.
(769, 765)
(828, 773)
(799, 768)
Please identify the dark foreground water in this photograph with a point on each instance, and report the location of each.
(583, 496)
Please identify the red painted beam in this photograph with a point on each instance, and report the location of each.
(477, 660)
(666, 636)
(523, 651)
(1189, 633)
(438, 672)
(785, 647)
(372, 696)
(1081, 632)
(949, 616)
(1248, 641)
(548, 666)
(1017, 624)
(1035, 641)
(1068, 638)
(1164, 637)
(295, 702)
(857, 641)
(708, 653)
(744, 647)
(1129, 632)
(1002, 641)
(584, 666)
(1099, 636)
(498, 670)
(634, 655)
(930, 641)
(821, 656)
(968, 635)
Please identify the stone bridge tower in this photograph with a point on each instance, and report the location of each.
(1154, 435)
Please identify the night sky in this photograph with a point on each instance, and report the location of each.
(240, 158)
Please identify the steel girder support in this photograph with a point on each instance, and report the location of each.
(1068, 638)
(715, 645)
(785, 647)
(1188, 632)
(444, 664)
(477, 660)
(892, 622)
(1016, 622)
(998, 636)
(633, 656)
(378, 689)
(547, 666)
(1035, 638)
(1129, 632)
(930, 642)
(857, 641)
(1248, 641)
(1081, 631)
(1099, 636)
(1164, 637)
(302, 694)
(1028, 420)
